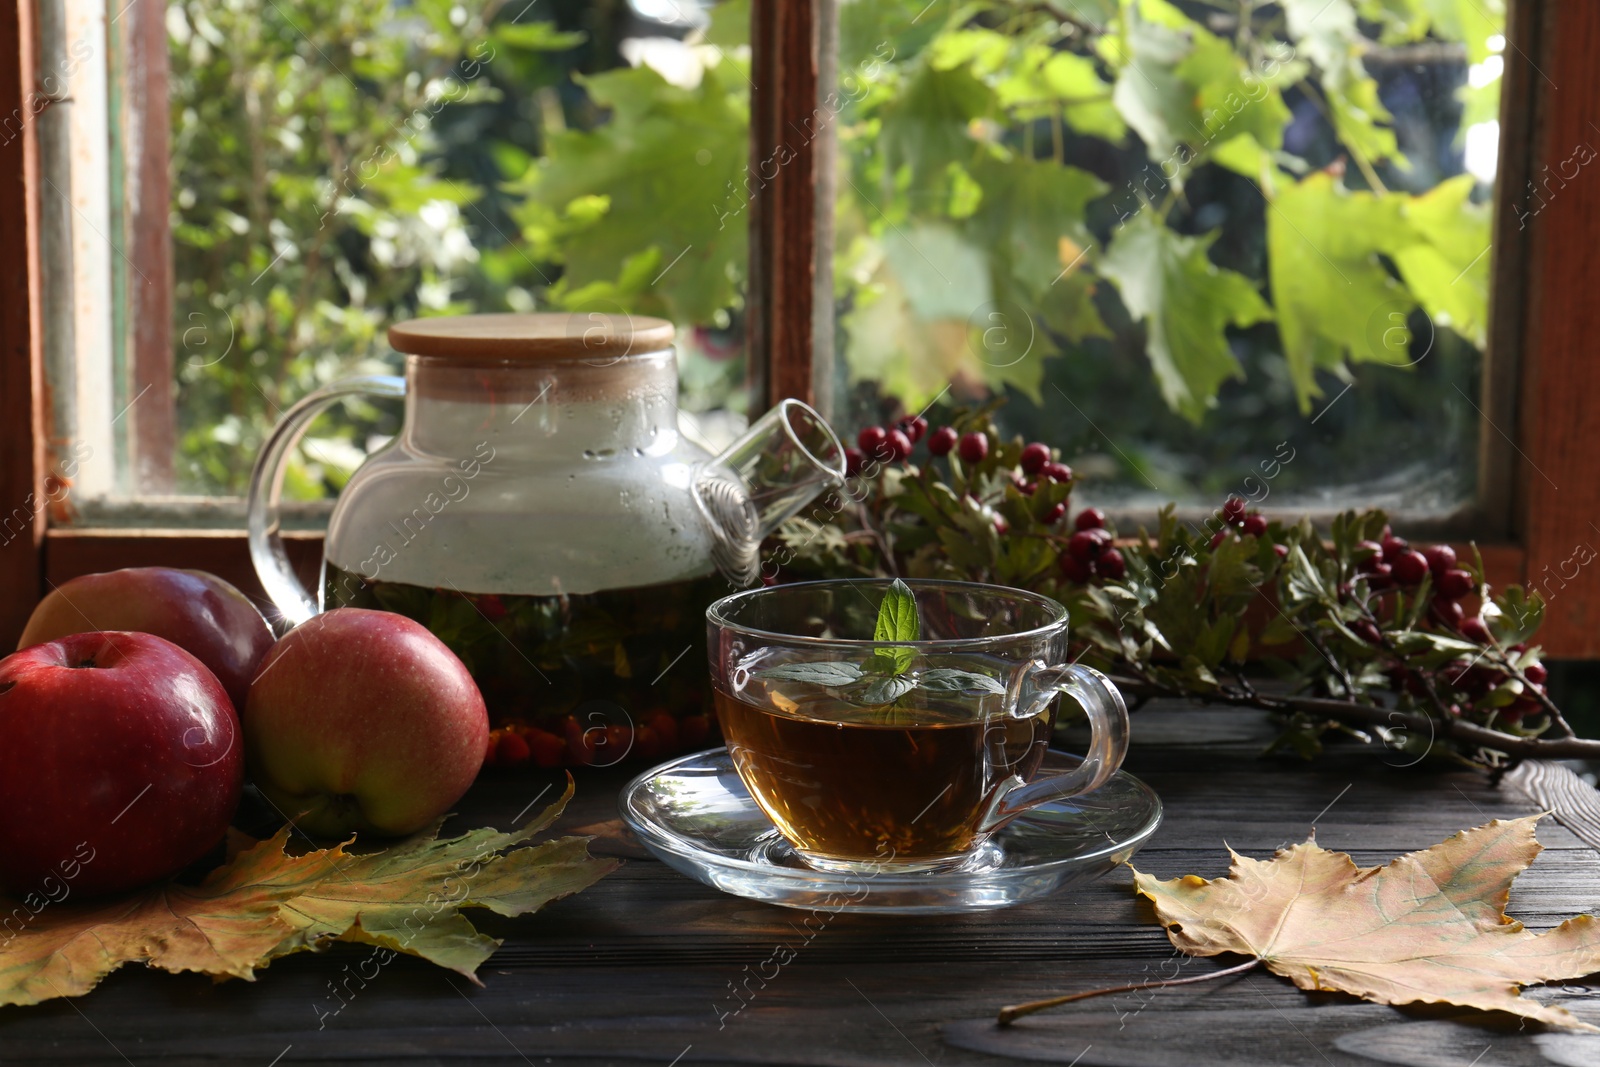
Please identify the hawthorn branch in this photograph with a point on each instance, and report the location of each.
(1559, 721)
(879, 538)
(1348, 711)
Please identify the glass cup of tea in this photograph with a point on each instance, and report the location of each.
(887, 725)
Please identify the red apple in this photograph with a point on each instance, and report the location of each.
(198, 612)
(363, 721)
(119, 764)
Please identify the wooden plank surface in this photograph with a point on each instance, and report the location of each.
(1555, 787)
(642, 968)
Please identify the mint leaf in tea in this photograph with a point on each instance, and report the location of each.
(897, 621)
(882, 678)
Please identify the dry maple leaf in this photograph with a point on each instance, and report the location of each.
(264, 903)
(1429, 927)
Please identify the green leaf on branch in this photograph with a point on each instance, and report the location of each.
(1074, 82)
(671, 164)
(984, 52)
(1279, 630)
(1519, 616)
(1303, 585)
(1244, 155)
(1149, 94)
(1187, 91)
(1038, 81)
(1327, 33)
(1212, 646)
(1186, 302)
(1234, 99)
(926, 126)
(1472, 22)
(1067, 303)
(537, 36)
(874, 34)
(1447, 267)
(1333, 296)
(926, 259)
(1028, 207)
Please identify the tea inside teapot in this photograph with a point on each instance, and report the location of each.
(607, 675)
(541, 513)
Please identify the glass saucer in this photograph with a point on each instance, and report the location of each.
(695, 815)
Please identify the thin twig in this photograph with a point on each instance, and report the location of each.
(1012, 1013)
(881, 538)
(1077, 22)
(1559, 721)
(1377, 715)
(1444, 716)
(1315, 640)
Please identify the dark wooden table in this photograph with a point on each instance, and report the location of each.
(641, 968)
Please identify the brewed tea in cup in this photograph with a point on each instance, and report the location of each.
(887, 724)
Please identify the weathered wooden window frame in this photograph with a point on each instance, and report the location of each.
(1545, 403)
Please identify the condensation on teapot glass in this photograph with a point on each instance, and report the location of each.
(543, 458)
(559, 488)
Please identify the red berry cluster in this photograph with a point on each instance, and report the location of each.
(1236, 518)
(1239, 522)
(886, 444)
(1091, 552)
(1463, 681)
(1393, 564)
(1478, 680)
(894, 444)
(1037, 463)
(570, 743)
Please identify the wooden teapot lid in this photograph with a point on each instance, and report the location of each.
(534, 337)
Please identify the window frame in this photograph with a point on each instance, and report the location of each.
(1541, 403)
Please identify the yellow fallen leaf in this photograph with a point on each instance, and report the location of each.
(264, 903)
(1429, 927)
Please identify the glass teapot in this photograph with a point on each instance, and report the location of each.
(541, 513)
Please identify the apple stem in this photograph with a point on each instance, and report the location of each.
(1010, 1014)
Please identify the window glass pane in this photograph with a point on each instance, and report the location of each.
(1192, 244)
(339, 165)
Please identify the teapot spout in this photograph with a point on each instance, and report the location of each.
(784, 461)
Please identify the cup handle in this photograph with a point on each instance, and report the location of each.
(1108, 743)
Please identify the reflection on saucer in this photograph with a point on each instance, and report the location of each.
(695, 815)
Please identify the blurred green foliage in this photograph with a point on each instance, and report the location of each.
(308, 208)
(1238, 230)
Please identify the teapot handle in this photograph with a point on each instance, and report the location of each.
(291, 598)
